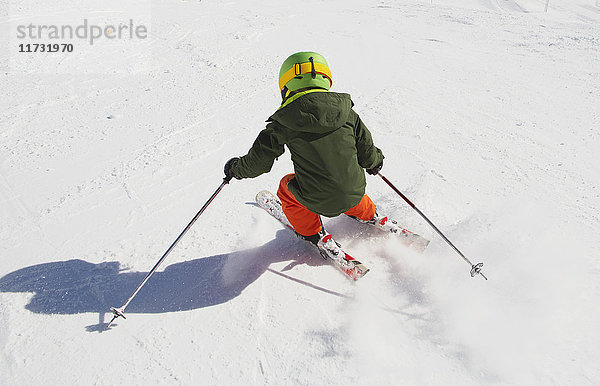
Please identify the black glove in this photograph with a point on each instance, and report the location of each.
(227, 169)
(374, 170)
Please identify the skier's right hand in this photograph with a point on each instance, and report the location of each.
(227, 169)
(375, 169)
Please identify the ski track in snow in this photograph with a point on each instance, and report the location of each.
(486, 110)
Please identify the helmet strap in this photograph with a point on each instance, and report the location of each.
(313, 72)
(284, 92)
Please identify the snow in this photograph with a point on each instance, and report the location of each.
(487, 112)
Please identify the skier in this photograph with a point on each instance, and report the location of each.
(329, 145)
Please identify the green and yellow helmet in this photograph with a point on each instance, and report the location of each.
(304, 70)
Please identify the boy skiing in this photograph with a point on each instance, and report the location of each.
(329, 145)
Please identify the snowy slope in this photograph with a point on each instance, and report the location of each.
(487, 112)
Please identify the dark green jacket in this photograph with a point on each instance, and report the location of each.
(329, 145)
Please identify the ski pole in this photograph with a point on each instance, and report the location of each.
(119, 312)
(475, 268)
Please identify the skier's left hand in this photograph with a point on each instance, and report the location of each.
(227, 169)
(375, 169)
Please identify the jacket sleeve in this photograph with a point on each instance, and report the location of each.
(267, 146)
(369, 155)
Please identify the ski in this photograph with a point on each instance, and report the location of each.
(351, 267)
(408, 238)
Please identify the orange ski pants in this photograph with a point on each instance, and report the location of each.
(308, 223)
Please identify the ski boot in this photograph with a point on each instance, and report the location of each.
(329, 248)
(314, 239)
(408, 238)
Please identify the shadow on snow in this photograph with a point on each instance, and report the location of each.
(76, 286)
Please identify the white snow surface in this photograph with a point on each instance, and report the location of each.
(488, 113)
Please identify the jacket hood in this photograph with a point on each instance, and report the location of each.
(316, 112)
